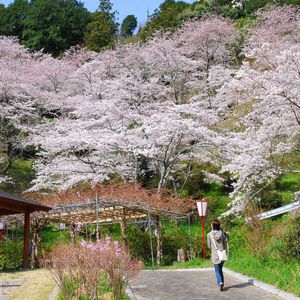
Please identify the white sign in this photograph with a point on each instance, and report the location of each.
(202, 207)
(2, 226)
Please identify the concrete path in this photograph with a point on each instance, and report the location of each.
(193, 285)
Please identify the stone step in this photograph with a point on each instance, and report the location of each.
(7, 286)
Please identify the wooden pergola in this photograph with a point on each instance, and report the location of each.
(101, 211)
(11, 205)
(121, 203)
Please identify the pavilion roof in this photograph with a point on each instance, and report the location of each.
(11, 204)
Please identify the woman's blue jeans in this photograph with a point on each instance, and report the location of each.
(219, 272)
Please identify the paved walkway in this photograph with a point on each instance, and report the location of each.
(193, 285)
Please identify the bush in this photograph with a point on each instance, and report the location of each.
(270, 200)
(82, 271)
(138, 242)
(292, 239)
(10, 255)
(171, 243)
(256, 239)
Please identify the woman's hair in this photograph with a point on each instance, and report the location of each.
(215, 224)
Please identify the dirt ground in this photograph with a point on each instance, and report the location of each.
(37, 284)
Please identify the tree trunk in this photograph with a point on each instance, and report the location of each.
(158, 240)
(34, 247)
(123, 227)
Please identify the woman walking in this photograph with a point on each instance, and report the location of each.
(217, 243)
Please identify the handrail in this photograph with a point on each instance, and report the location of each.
(280, 210)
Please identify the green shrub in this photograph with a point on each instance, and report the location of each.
(138, 241)
(270, 200)
(10, 255)
(171, 243)
(292, 240)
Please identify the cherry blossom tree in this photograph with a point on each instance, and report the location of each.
(16, 99)
(31, 85)
(138, 102)
(267, 86)
(158, 106)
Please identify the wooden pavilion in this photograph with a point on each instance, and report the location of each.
(11, 205)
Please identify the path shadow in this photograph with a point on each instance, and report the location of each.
(237, 286)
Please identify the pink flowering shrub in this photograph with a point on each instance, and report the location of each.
(81, 270)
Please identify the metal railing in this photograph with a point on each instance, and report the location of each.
(280, 210)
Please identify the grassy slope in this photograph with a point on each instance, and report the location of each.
(21, 173)
(278, 271)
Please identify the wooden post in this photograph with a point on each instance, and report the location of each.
(123, 227)
(158, 240)
(203, 237)
(97, 217)
(26, 246)
(73, 233)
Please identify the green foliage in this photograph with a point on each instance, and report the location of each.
(10, 254)
(166, 17)
(101, 31)
(12, 19)
(245, 24)
(10, 138)
(288, 182)
(104, 288)
(55, 25)
(3, 22)
(53, 237)
(291, 241)
(225, 8)
(289, 2)
(128, 26)
(171, 243)
(138, 241)
(251, 7)
(270, 200)
(21, 173)
(194, 263)
(105, 6)
(276, 266)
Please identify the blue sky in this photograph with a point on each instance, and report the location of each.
(138, 8)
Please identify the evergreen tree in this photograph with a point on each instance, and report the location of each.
(128, 26)
(55, 25)
(2, 22)
(12, 19)
(164, 18)
(105, 6)
(102, 30)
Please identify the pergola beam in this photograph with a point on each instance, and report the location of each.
(11, 208)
